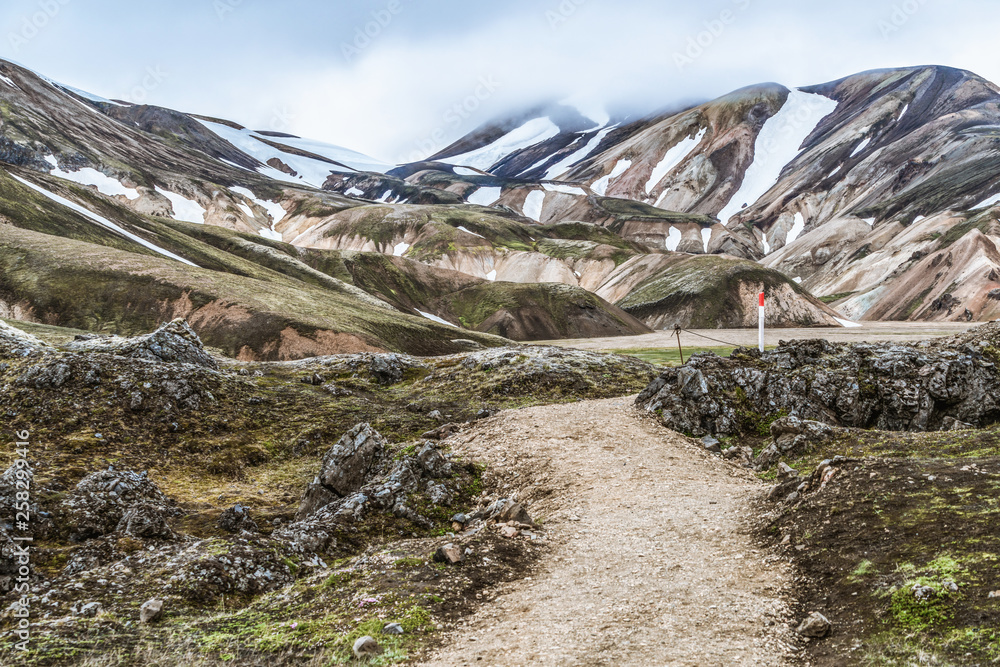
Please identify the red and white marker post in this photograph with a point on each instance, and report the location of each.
(761, 322)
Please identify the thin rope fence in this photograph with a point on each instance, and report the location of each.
(715, 340)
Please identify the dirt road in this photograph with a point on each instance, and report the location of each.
(896, 332)
(650, 561)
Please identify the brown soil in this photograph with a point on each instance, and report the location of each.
(650, 558)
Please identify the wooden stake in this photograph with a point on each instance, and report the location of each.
(677, 330)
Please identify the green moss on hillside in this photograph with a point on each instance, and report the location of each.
(627, 209)
(543, 311)
(703, 290)
(90, 287)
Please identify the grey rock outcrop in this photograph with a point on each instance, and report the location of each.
(792, 436)
(449, 554)
(357, 477)
(345, 468)
(17, 343)
(366, 648)
(173, 342)
(885, 386)
(100, 501)
(237, 519)
(145, 520)
(41, 523)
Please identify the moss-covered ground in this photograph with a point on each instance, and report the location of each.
(257, 439)
(901, 549)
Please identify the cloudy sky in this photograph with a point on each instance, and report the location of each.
(399, 78)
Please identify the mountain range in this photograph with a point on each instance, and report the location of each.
(868, 198)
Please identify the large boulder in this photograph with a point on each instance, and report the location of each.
(357, 477)
(101, 499)
(236, 519)
(145, 520)
(345, 468)
(885, 386)
(792, 436)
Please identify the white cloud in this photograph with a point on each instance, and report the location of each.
(389, 98)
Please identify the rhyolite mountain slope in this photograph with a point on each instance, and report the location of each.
(860, 188)
(163, 214)
(874, 192)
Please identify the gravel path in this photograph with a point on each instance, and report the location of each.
(650, 561)
(894, 332)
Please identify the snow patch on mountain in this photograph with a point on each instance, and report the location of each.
(600, 186)
(354, 192)
(465, 171)
(84, 94)
(485, 196)
(580, 155)
(400, 249)
(798, 227)
(233, 164)
(353, 159)
(185, 210)
(776, 145)
(274, 210)
(101, 220)
(468, 231)
(533, 205)
(533, 132)
(9, 82)
(310, 171)
(706, 237)
(565, 189)
(860, 147)
(990, 201)
(88, 176)
(492, 275)
(435, 318)
(673, 239)
(677, 153)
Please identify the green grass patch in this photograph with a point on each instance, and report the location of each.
(666, 356)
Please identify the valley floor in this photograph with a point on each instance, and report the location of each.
(895, 332)
(650, 558)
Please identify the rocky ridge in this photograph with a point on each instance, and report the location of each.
(924, 387)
